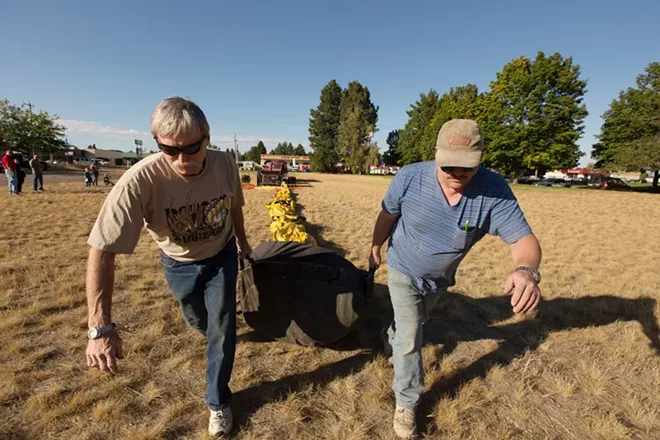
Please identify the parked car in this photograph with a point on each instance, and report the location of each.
(611, 183)
(557, 183)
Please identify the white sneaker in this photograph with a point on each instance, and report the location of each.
(404, 423)
(221, 422)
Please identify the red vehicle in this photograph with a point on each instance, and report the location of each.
(608, 183)
(273, 174)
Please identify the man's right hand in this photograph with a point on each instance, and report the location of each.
(102, 353)
(374, 258)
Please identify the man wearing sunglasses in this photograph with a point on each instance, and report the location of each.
(190, 201)
(432, 214)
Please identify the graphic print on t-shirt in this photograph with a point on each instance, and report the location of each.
(194, 222)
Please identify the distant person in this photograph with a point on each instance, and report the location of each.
(433, 213)
(37, 174)
(9, 165)
(95, 175)
(190, 200)
(88, 176)
(106, 180)
(20, 177)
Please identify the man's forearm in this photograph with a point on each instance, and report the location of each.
(527, 252)
(383, 228)
(99, 285)
(239, 225)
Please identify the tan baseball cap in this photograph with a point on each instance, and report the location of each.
(459, 144)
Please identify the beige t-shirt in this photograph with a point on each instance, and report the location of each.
(189, 217)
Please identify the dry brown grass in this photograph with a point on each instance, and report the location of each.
(582, 368)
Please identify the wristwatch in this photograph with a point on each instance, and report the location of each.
(536, 275)
(97, 332)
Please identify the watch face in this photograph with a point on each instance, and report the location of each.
(93, 333)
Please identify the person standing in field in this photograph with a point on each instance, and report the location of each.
(432, 214)
(88, 176)
(10, 167)
(37, 174)
(20, 178)
(95, 174)
(190, 200)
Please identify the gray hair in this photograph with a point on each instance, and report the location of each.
(178, 117)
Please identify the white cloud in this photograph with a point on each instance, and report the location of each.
(99, 129)
(91, 128)
(249, 140)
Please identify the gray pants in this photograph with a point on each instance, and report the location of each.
(411, 310)
(37, 181)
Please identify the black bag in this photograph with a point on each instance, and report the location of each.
(301, 294)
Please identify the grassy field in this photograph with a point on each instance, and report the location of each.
(586, 366)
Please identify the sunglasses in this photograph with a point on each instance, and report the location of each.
(186, 149)
(450, 170)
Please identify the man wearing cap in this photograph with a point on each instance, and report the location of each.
(432, 214)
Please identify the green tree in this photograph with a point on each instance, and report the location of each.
(255, 152)
(418, 139)
(213, 147)
(351, 141)
(462, 102)
(373, 155)
(299, 150)
(630, 135)
(283, 148)
(323, 129)
(533, 115)
(358, 118)
(392, 155)
(23, 130)
(420, 115)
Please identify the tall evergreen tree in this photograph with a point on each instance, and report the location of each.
(420, 115)
(324, 127)
(358, 118)
(462, 102)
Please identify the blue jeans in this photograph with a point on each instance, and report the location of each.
(411, 310)
(12, 181)
(37, 181)
(206, 291)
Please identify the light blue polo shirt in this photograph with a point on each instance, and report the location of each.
(429, 239)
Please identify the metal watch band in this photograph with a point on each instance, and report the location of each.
(103, 330)
(535, 273)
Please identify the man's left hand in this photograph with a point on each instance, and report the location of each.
(244, 250)
(526, 293)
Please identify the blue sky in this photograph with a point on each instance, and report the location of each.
(257, 67)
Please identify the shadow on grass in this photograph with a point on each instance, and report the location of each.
(315, 230)
(646, 189)
(460, 318)
(248, 401)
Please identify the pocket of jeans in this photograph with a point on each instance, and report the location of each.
(167, 261)
(398, 278)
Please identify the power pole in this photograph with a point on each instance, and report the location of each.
(30, 105)
(236, 148)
